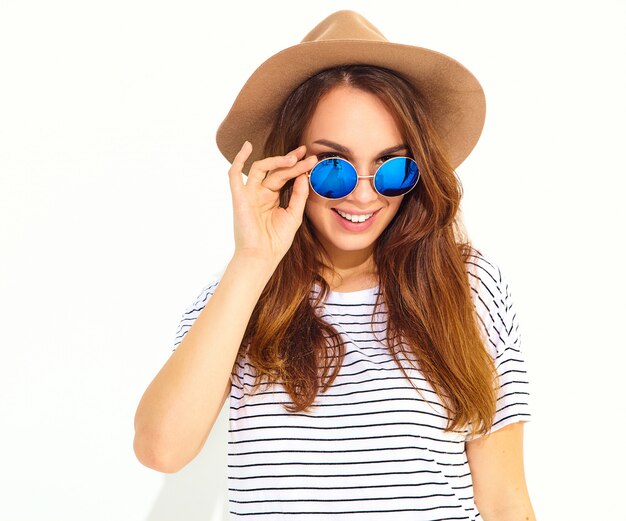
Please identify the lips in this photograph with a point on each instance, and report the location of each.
(355, 226)
(351, 212)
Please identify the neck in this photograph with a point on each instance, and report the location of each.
(355, 270)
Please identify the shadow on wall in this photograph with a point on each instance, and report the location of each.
(199, 491)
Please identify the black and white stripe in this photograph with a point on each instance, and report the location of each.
(371, 447)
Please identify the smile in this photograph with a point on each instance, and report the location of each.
(355, 218)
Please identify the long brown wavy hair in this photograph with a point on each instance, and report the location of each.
(420, 258)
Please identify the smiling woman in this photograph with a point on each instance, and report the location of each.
(360, 127)
(370, 354)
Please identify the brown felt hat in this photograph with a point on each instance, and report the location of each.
(454, 99)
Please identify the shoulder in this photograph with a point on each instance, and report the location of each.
(487, 283)
(192, 311)
(491, 296)
(198, 303)
(484, 273)
(205, 293)
(499, 325)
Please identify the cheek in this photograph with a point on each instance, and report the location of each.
(312, 213)
(398, 202)
(395, 207)
(313, 206)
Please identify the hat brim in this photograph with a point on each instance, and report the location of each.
(454, 99)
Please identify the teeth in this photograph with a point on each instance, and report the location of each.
(355, 218)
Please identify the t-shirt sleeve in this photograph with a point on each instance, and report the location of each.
(193, 311)
(499, 324)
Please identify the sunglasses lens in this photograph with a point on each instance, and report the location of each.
(397, 176)
(333, 178)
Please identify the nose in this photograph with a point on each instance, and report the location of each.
(364, 192)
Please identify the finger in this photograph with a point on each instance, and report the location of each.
(279, 177)
(299, 196)
(298, 152)
(259, 169)
(234, 172)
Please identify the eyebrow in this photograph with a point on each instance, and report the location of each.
(347, 151)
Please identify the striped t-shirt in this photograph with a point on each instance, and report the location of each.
(372, 447)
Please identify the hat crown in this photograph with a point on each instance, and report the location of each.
(344, 25)
(452, 97)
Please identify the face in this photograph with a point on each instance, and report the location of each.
(356, 126)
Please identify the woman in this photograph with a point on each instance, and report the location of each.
(371, 355)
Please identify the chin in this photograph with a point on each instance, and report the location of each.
(353, 244)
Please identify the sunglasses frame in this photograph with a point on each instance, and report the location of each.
(363, 177)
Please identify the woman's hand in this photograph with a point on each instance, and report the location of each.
(263, 229)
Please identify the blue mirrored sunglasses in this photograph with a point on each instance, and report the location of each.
(335, 178)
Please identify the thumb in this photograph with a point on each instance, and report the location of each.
(299, 196)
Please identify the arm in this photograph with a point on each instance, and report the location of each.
(180, 406)
(497, 466)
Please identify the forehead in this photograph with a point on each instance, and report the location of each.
(353, 117)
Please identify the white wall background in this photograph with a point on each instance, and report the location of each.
(115, 211)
